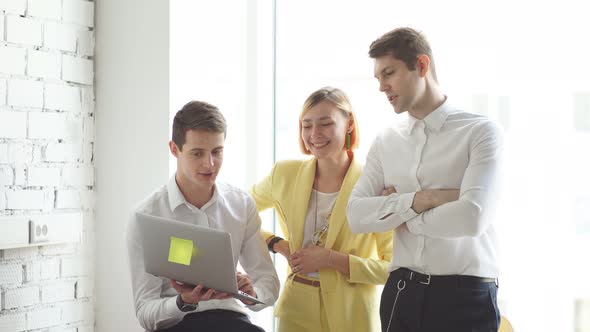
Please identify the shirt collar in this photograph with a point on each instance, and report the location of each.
(433, 121)
(176, 198)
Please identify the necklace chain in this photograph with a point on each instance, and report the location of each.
(318, 234)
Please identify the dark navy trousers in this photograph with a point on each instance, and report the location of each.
(439, 303)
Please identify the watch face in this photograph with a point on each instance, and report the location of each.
(184, 307)
(188, 307)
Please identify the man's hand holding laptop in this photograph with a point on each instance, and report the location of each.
(199, 293)
(245, 285)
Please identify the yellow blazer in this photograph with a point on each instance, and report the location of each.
(351, 303)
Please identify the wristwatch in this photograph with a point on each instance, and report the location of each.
(272, 242)
(185, 307)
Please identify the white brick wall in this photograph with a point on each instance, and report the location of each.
(13, 322)
(60, 36)
(46, 125)
(2, 83)
(19, 153)
(41, 270)
(21, 30)
(13, 7)
(87, 100)
(21, 297)
(64, 329)
(25, 199)
(75, 267)
(89, 129)
(11, 274)
(77, 70)
(86, 42)
(3, 153)
(12, 60)
(6, 176)
(46, 167)
(74, 199)
(86, 328)
(63, 97)
(59, 250)
(43, 318)
(79, 12)
(25, 93)
(50, 269)
(68, 199)
(43, 177)
(83, 176)
(63, 152)
(44, 64)
(13, 124)
(19, 175)
(33, 271)
(84, 288)
(76, 311)
(27, 252)
(58, 292)
(2, 198)
(45, 9)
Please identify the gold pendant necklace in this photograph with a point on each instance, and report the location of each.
(316, 238)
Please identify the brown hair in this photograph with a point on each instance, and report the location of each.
(197, 115)
(404, 44)
(341, 101)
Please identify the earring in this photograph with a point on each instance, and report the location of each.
(348, 140)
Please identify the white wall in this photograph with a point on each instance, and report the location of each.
(132, 100)
(46, 159)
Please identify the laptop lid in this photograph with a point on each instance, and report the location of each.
(187, 253)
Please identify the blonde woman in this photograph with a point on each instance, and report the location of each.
(333, 273)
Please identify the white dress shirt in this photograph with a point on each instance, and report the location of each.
(231, 210)
(448, 149)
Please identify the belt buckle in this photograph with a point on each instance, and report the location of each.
(427, 282)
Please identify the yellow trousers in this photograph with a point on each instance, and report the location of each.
(301, 309)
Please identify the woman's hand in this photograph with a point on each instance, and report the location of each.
(282, 247)
(309, 259)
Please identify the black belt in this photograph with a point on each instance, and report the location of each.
(427, 279)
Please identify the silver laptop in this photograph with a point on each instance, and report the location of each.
(190, 254)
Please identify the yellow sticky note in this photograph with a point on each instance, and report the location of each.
(181, 251)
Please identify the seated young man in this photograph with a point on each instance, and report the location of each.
(193, 196)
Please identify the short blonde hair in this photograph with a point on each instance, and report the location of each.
(341, 101)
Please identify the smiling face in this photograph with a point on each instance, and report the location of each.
(323, 130)
(403, 87)
(199, 160)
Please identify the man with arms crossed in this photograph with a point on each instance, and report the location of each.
(193, 196)
(431, 178)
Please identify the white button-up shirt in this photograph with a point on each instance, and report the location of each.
(448, 149)
(231, 210)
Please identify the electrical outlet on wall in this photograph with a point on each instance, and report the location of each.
(38, 231)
